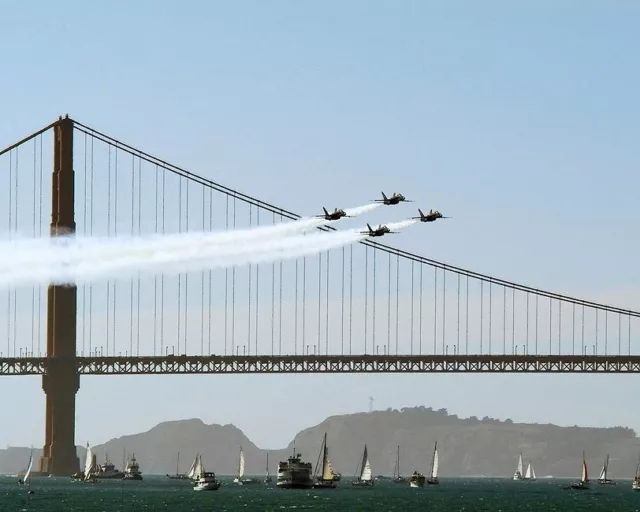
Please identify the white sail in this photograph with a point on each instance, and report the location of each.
(27, 475)
(603, 473)
(198, 470)
(88, 463)
(435, 463)
(241, 467)
(605, 469)
(533, 473)
(365, 474)
(528, 473)
(519, 470)
(192, 470)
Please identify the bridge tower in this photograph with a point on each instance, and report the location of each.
(61, 381)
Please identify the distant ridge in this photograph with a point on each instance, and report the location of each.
(467, 446)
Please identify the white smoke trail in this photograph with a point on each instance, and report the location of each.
(78, 260)
(361, 210)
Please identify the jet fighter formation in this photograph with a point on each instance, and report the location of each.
(382, 229)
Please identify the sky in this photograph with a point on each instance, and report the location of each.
(518, 120)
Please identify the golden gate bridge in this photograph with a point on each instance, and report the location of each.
(365, 308)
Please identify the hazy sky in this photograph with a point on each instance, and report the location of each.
(520, 122)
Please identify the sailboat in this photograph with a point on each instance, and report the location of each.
(241, 479)
(178, 475)
(267, 476)
(205, 481)
(397, 479)
(89, 466)
(636, 481)
(365, 479)
(518, 473)
(326, 479)
(530, 474)
(604, 479)
(433, 477)
(26, 480)
(583, 484)
(191, 474)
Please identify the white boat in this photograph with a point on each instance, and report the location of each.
(636, 481)
(584, 482)
(433, 476)
(530, 474)
(324, 480)
(366, 477)
(604, 479)
(241, 478)
(205, 481)
(518, 473)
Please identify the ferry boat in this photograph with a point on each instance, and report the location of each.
(417, 479)
(204, 480)
(604, 479)
(108, 471)
(324, 478)
(132, 471)
(294, 473)
(241, 478)
(365, 478)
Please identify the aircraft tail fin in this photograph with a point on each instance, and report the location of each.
(370, 226)
(420, 211)
(325, 211)
(383, 196)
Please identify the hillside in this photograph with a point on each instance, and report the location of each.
(468, 447)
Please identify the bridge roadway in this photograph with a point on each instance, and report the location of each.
(159, 365)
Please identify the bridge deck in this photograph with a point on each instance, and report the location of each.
(154, 365)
